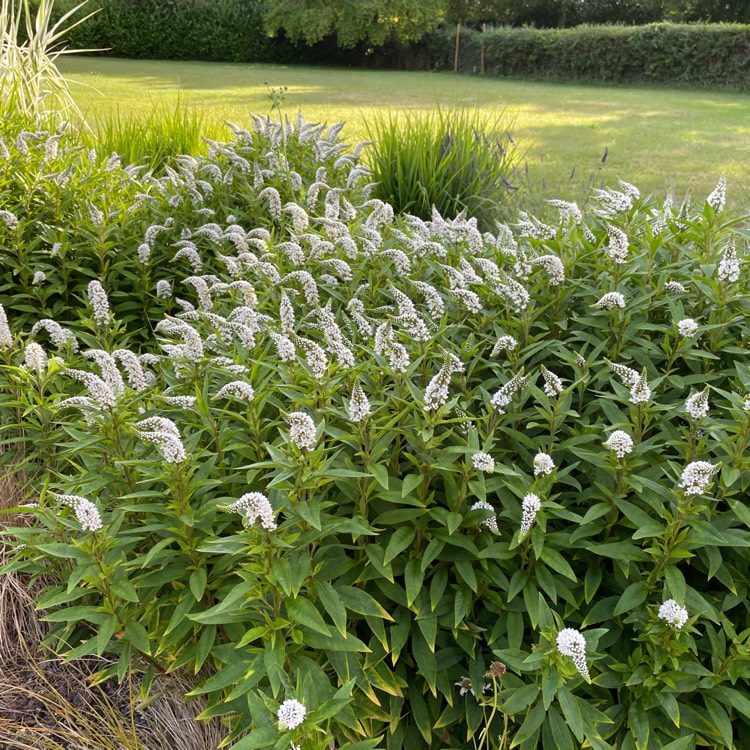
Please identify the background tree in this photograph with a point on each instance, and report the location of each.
(352, 21)
(714, 11)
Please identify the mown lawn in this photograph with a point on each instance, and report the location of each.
(656, 138)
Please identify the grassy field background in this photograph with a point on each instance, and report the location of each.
(657, 139)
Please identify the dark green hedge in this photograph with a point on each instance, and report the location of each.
(691, 55)
(212, 30)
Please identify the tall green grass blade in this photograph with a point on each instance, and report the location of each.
(448, 159)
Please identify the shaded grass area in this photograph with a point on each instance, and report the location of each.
(657, 139)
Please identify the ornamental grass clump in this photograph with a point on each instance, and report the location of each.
(31, 86)
(384, 480)
(452, 160)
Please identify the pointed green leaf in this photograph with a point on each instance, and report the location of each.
(400, 540)
(305, 613)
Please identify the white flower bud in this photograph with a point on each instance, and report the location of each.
(673, 614)
(483, 462)
(254, 506)
(620, 442)
(291, 714)
(543, 464)
(687, 328)
(302, 432)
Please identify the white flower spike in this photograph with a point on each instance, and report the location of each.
(530, 506)
(571, 643)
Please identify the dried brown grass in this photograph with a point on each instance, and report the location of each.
(46, 704)
(19, 622)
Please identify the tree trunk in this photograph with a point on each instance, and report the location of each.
(481, 50)
(458, 44)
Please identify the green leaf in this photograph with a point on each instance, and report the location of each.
(684, 743)
(462, 604)
(300, 564)
(138, 636)
(428, 626)
(557, 562)
(198, 583)
(55, 597)
(413, 580)
(375, 556)
(74, 614)
(309, 510)
(204, 646)
(359, 601)
(64, 551)
(333, 604)
(380, 473)
(550, 679)
(227, 675)
(399, 633)
(342, 697)
(305, 613)
(740, 510)
(335, 642)
(633, 596)
(372, 744)
(258, 738)
(437, 587)
(426, 661)
(620, 551)
(453, 522)
(411, 482)
(419, 713)
(125, 590)
(640, 726)
(466, 571)
(720, 719)
(676, 582)
(398, 542)
(281, 570)
(530, 726)
(732, 699)
(106, 630)
(433, 549)
(520, 699)
(572, 713)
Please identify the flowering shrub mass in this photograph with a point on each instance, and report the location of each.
(386, 482)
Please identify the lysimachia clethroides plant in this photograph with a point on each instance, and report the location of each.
(387, 482)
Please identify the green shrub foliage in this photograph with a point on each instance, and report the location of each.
(388, 482)
(211, 30)
(690, 55)
(83, 216)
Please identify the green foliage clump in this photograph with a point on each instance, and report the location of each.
(451, 160)
(391, 482)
